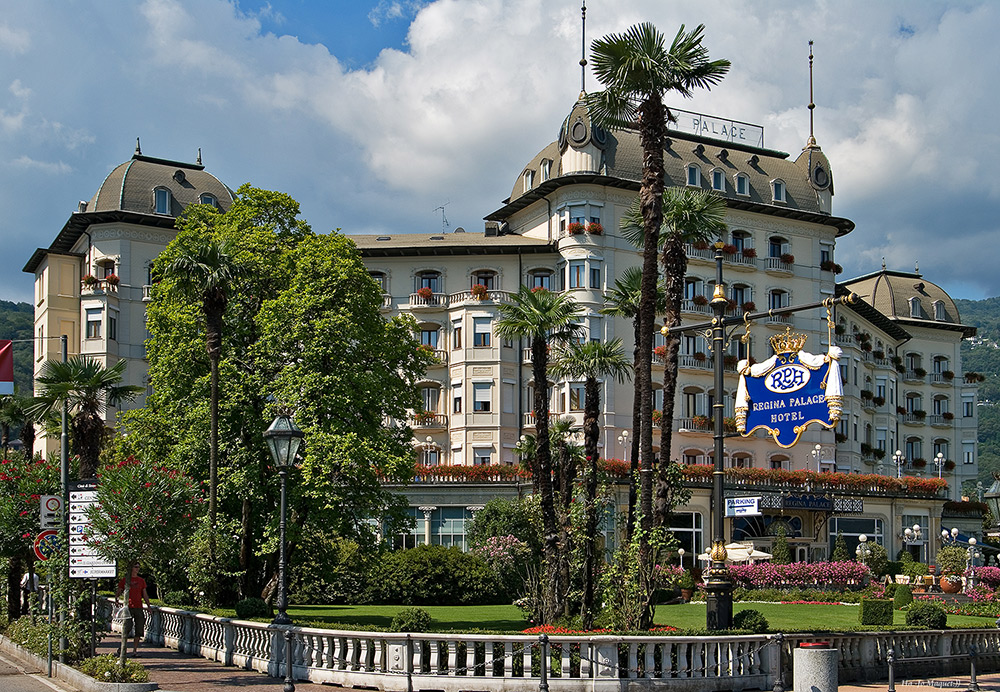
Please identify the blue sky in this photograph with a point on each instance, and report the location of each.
(373, 114)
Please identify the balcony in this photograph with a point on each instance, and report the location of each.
(741, 261)
(942, 420)
(429, 421)
(697, 425)
(528, 419)
(436, 301)
(699, 253)
(147, 293)
(911, 418)
(491, 296)
(99, 287)
(689, 305)
(694, 363)
(914, 375)
(386, 302)
(778, 320)
(940, 378)
(777, 265)
(440, 357)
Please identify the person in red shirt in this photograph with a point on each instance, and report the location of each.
(136, 595)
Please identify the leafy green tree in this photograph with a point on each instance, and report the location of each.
(593, 361)
(87, 387)
(623, 301)
(780, 553)
(141, 508)
(542, 317)
(14, 415)
(23, 481)
(638, 69)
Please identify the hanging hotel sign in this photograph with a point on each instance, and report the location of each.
(816, 503)
(789, 391)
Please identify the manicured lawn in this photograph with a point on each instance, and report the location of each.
(782, 617)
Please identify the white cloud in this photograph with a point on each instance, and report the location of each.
(13, 40)
(19, 90)
(54, 168)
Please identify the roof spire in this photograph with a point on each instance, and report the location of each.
(138, 149)
(883, 264)
(583, 50)
(811, 142)
(199, 156)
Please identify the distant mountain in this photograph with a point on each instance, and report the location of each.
(982, 354)
(17, 324)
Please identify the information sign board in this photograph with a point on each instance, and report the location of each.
(742, 506)
(84, 562)
(49, 511)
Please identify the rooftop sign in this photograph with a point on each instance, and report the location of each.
(717, 128)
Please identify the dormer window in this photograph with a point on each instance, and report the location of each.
(161, 200)
(778, 190)
(546, 170)
(694, 175)
(915, 309)
(743, 184)
(209, 199)
(718, 180)
(939, 313)
(529, 180)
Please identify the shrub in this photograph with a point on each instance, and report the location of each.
(411, 620)
(875, 611)
(914, 570)
(252, 607)
(178, 599)
(433, 574)
(902, 597)
(751, 620)
(951, 559)
(927, 615)
(106, 669)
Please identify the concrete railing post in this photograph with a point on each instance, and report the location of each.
(814, 668)
(779, 663)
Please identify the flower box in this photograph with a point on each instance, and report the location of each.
(112, 279)
(749, 252)
(575, 228)
(700, 300)
(660, 352)
(594, 228)
(878, 400)
(700, 357)
(948, 415)
(749, 306)
(787, 258)
(89, 280)
(948, 375)
(479, 292)
(729, 249)
(425, 293)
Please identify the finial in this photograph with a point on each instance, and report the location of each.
(916, 266)
(583, 49)
(138, 150)
(811, 142)
(883, 264)
(199, 156)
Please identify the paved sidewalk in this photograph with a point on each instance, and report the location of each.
(177, 672)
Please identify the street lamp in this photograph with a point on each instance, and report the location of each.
(911, 536)
(428, 447)
(817, 454)
(939, 460)
(680, 553)
(623, 441)
(863, 551)
(898, 459)
(283, 440)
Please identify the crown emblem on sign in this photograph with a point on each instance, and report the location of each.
(789, 342)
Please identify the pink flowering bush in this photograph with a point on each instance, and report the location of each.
(502, 551)
(22, 483)
(765, 574)
(988, 577)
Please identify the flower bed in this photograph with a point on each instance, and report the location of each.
(799, 574)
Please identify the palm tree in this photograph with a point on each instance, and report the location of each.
(623, 301)
(542, 316)
(689, 216)
(87, 388)
(567, 457)
(206, 270)
(592, 361)
(14, 413)
(637, 70)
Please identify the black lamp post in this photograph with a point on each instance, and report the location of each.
(283, 440)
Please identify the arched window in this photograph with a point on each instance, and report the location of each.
(381, 279)
(430, 334)
(778, 461)
(777, 298)
(692, 457)
(485, 277)
(915, 308)
(529, 180)
(161, 200)
(743, 184)
(914, 448)
(694, 402)
(718, 180)
(939, 313)
(777, 246)
(540, 278)
(546, 170)
(778, 190)
(913, 402)
(742, 240)
(429, 279)
(742, 460)
(940, 404)
(693, 175)
(211, 200)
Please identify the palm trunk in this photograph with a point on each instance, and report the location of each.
(674, 267)
(633, 476)
(14, 588)
(591, 432)
(88, 436)
(552, 596)
(652, 130)
(213, 447)
(28, 438)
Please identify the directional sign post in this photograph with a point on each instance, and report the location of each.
(742, 506)
(84, 563)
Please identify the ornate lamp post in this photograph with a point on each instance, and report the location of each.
(680, 554)
(863, 551)
(899, 460)
(939, 461)
(623, 441)
(283, 440)
(817, 454)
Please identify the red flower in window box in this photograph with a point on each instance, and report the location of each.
(728, 249)
(749, 306)
(89, 280)
(479, 292)
(749, 252)
(787, 258)
(595, 228)
(700, 300)
(660, 352)
(112, 279)
(425, 292)
(575, 228)
(536, 289)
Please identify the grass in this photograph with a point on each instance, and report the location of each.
(782, 617)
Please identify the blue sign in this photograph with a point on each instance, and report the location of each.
(789, 392)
